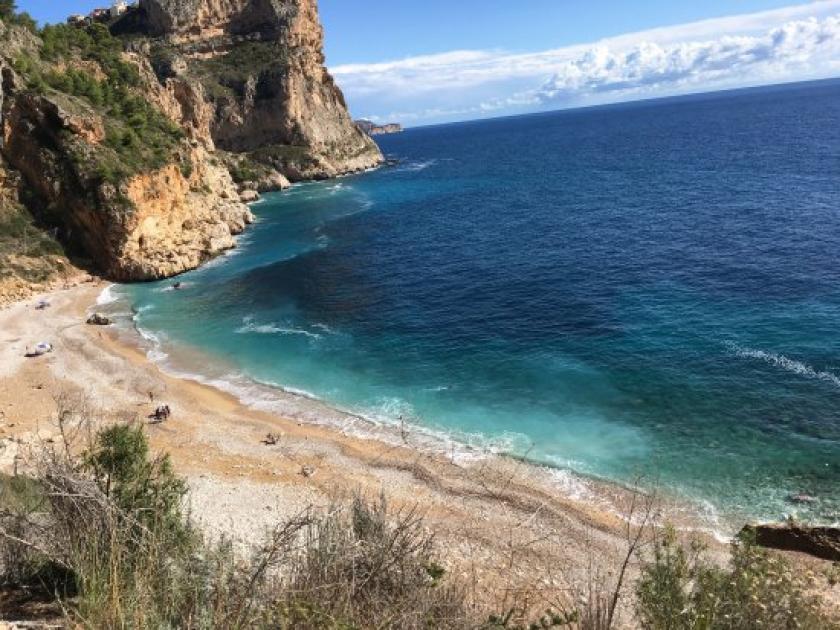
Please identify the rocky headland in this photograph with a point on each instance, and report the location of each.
(135, 145)
(372, 129)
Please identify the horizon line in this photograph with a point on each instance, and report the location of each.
(629, 102)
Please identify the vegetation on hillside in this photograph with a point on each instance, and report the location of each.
(26, 251)
(226, 75)
(87, 64)
(104, 532)
(681, 590)
(10, 15)
(283, 157)
(103, 536)
(245, 169)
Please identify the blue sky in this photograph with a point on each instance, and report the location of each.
(436, 61)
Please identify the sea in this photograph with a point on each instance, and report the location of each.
(644, 293)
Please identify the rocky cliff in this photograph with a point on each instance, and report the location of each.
(135, 217)
(138, 146)
(261, 65)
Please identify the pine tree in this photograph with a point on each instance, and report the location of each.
(8, 8)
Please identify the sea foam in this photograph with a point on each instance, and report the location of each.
(251, 327)
(786, 363)
(107, 296)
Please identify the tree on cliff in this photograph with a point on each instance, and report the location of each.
(7, 8)
(8, 13)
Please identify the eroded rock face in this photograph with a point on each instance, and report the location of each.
(196, 19)
(246, 76)
(177, 226)
(155, 225)
(290, 102)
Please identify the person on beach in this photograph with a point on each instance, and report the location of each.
(162, 413)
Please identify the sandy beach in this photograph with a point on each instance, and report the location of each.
(508, 527)
(494, 518)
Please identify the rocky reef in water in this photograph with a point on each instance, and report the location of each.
(137, 144)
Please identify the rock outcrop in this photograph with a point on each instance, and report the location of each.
(242, 84)
(262, 66)
(154, 225)
(372, 129)
(98, 319)
(821, 542)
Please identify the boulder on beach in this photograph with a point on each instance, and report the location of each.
(98, 319)
(821, 542)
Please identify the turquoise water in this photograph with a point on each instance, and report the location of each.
(646, 289)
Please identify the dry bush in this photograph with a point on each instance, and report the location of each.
(104, 533)
(362, 564)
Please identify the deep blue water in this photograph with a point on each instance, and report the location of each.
(647, 289)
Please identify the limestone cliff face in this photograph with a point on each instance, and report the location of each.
(273, 96)
(104, 167)
(372, 129)
(154, 225)
(176, 226)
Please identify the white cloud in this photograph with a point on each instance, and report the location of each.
(783, 52)
(801, 41)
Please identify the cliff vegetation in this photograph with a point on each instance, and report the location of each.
(96, 537)
(84, 68)
(30, 256)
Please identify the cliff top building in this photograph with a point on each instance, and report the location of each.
(118, 8)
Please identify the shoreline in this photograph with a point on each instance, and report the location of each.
(495, 519)
(503, 524)
(602, 494)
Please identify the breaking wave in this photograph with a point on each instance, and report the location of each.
(251, 327)
(785, 363)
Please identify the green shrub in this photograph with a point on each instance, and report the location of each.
(143, 487)
(225, 75)
(8, 8)
(680, 590)
(10, 15)
(128, 115)
(186, 167)
(243, 171)
(108, 526)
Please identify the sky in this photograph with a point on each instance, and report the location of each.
(445, 60)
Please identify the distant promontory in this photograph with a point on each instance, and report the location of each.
(372, 129)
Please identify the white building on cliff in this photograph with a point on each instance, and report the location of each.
(118, 8)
